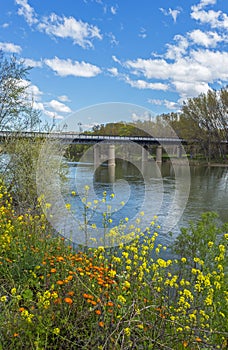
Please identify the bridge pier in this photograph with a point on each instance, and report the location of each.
(96, 155)
(159, 154)
(144, 154)
(179, 151)
(111, 162)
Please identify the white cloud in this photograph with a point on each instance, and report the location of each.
(58, 106)
(38, 105)
(68, 27)
(26, 11)
(34, 91)
(113, 40)
(80, 32)
(114, 71)
(10, 47)
(32, 63)
(115, 59)
(145, 116)
(142, 84)
(142, 33)
(113, 10)
(5, 25)
(63, 98)
(172, 13)
(179, 49)
(204, 3)
(68, 67)
(52, 115)
(189, 75)
(207, 39)
(168, 104)
(216, 19)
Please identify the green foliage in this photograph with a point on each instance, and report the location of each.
(16, 107)
(53, 297)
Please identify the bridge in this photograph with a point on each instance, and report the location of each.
(80, 138)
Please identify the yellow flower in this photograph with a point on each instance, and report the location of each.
(127, 284)
(13, 291)
(121, 299)
(56, 331)
(127, 331)
(3, 298)
(68, 206)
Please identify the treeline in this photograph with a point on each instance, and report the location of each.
(202, 122)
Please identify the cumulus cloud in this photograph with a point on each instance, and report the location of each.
(59, 106)
(179, 49)
(32, 63)
(80, 32)
(207, 39)
(142, 84)
(10, 47)
(26, 11)
(52, 115)
(68, 67)
(189, 75)
(216, 19)
(68, 27)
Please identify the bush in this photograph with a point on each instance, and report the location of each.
(53, 297)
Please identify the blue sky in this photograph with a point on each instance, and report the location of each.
(154, 54)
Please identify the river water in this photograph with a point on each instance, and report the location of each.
(174, 198)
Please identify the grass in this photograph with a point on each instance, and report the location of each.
(54, 297)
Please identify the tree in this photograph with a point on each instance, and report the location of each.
(207, 120)
(16, 109)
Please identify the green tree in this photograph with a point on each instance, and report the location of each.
(206, 118)
(16, 109)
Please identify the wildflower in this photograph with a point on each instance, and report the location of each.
(13, 291)
(210, 244)
(98, 312)
(3, 298)
(73, 193)
(101, 324)
(112, 195)
(60, 282)
(56, 331)
(86, 188)
(68, 300)
(68, 206)
(127, 284)
(16, 334)
(183, 260)
(127, 331)
(121, 299)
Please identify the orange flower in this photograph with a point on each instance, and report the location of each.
(110, 303)
(98, 312)
(93, 302)
(68, 300)
(16, 334)
(21, 309)
(71, 293)
(185, 344)
(60, 282)
(101, 324)
(53, 270)
(198, 339)
(58, 301)
(60, 258)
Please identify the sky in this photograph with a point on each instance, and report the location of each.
(153, 54)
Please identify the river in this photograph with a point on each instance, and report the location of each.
(154, 192)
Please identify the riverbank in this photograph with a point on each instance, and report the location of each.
(55, 298)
